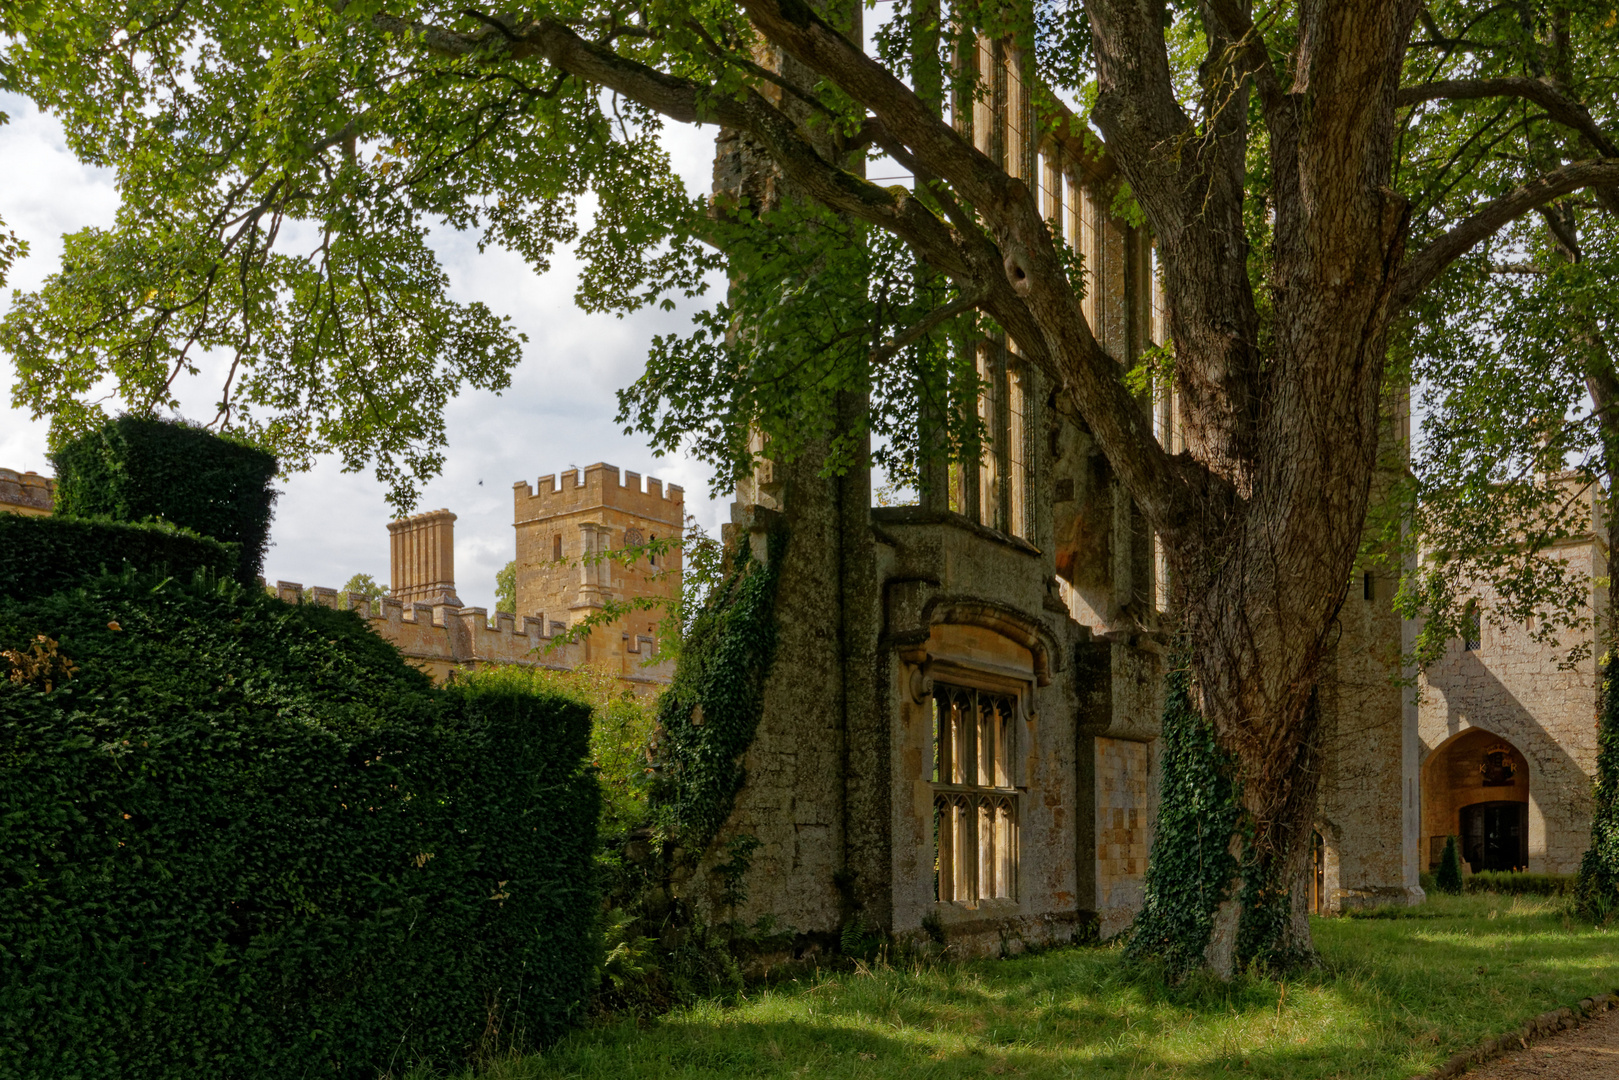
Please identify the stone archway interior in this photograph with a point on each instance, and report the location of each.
(1475, 787)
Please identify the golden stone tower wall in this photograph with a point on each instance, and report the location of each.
(567, 526)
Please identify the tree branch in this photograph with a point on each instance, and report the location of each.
(1251, 44)
(1042, 312)
(1422, 268)
(687, 101)
(932, 321)
(1559, 106)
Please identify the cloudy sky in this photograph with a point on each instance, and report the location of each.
(558, 413)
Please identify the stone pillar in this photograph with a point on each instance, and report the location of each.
(595, 572)
(422, 557)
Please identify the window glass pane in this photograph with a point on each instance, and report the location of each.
(1002, 747)
(1005, 850)
(965, 854)
(986, 742)
(989, 480)
(974, 830)
(1017, 453)
(986, 849)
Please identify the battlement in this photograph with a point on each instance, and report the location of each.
(29, 492)
(599, 486)
(440, 638)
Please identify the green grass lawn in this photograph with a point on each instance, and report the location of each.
(1396, 996)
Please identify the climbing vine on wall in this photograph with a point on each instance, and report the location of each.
(1191, 868)
(708, 715)
(1596, 893)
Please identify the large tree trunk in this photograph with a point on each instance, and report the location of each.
(1291, 424)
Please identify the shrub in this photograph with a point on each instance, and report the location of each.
(43, 555)
(1449, 877)
(135, 469)
(621, 729)
(1517, 883)
(246, 839)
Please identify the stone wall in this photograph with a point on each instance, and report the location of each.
(1521, 692)
(443, 638)
(1124, 809)
(1368, 797)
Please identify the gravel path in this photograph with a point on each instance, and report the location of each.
(1589, 1052)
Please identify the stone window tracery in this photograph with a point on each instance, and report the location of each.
(975, 797)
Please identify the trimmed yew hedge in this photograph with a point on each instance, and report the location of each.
(245, 840)
(136, 468)
(44, 555)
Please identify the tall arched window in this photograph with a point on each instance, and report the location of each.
(975, 800)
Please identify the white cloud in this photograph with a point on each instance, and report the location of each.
(557, 413)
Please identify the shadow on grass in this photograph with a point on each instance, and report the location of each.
(1393, 997)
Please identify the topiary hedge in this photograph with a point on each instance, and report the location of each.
(135, 468)
(1449, 877)
(245, 839)
(43, 555)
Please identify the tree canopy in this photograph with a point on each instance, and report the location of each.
(1511, 351)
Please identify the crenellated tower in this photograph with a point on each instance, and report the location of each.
(569, 525)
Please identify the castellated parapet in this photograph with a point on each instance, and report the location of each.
(569, 525)
(443, 638)
(29, 493)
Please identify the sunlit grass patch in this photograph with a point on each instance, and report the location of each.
(1399, 992)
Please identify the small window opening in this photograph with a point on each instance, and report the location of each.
(556, 548)
(1368, 586)
(1472, 627)
(652, 556)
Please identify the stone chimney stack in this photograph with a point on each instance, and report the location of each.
(422, 554)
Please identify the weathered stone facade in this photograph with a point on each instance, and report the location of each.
(1503, 699)
(26, 493)
(957, 737)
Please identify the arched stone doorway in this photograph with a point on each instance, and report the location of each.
(1475, 786)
